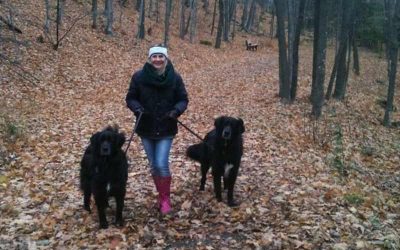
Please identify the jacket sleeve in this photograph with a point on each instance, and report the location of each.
(132, 98)
(181, 96)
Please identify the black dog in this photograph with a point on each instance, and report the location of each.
(104, 172)
(222, 149)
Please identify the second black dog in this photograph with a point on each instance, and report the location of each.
(104, 173)
(222, 149)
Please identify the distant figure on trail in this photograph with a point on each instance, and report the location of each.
(158, 96)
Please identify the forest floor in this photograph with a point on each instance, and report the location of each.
(303, 184)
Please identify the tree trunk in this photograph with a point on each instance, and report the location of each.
(393, 24)
(157, 11)
(226, 20)
(47, 19)
(284, 84)
(193, 13)
(182, 20)
(291, 29)
(340, 86)
(109, 17)
(296, 43)
(141, 31)
(356, 61)
(168, 6)
(233, 18)
(94, 14)
(214, 14)
(245, 13)
(252, 15)
(220, 24)
(150, 9)
(58, 23)
(271, 27)
(320, 37)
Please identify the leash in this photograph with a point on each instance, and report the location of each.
(133, 131)
(191, 131)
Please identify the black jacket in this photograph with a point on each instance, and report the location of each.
(155, 96)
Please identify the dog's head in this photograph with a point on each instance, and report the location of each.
(228, 127)
(107, 142)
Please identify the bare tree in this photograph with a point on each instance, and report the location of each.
(141, 31)
(342, 72)
(284, 84)
(47, 18)
(220, 24)
(392, 37)
(94, 14)
(319, 56)
(214, 14)
(295, 54)
(252, 14)
(167, 17)
(193, 23)
(110, 17)
(182, 20)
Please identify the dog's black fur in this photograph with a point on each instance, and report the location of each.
(222, 149)
(104, 173)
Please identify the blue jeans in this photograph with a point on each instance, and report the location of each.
(157, 151)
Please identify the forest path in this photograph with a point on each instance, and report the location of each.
(288, 195)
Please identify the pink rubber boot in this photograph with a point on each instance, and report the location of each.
(164, 194)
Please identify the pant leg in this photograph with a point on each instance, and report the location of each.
(149, 146)
(161, 156)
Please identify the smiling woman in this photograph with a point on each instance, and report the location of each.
(158, 96)
(158, 58)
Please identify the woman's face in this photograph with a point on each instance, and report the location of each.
(158, 61)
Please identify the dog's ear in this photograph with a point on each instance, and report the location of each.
(95, 138)
(241, 125)
(218, 122)
(121, 139)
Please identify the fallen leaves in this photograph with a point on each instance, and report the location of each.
(290, 195)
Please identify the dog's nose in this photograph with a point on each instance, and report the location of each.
(226, 133)
(105, 149)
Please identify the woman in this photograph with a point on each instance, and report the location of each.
(158, 96)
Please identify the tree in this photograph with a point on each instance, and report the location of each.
(245, 13)
(110, 17)
(220, 24)
(226, 20)
(392, 37)
(342, 72)
(319, 55)
(193, 14)
(214, 14)
(94, 14)
(284, 84)
(252, 14)
(140, 33)
(295, 62)
(167, 17)
(182, 20)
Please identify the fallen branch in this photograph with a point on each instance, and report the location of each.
(25, 74)
(10, 25)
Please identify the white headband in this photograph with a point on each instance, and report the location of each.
(158, 50)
